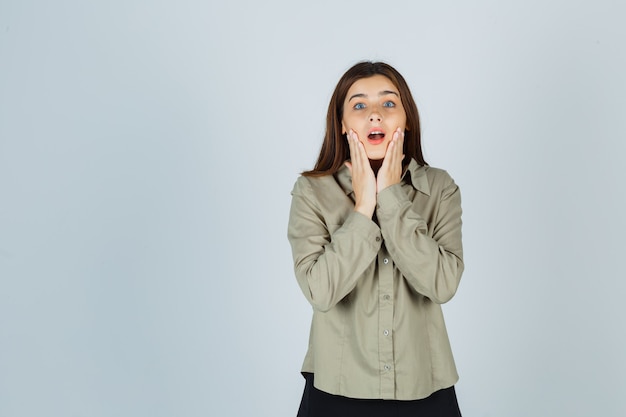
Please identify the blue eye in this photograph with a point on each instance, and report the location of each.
(359, 106)
(389, 104)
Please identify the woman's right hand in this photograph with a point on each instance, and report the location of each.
(363, 178)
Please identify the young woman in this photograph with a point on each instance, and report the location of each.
(376, 240)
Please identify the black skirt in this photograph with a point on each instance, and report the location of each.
(316, 403)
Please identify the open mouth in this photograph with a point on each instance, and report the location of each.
(376, 136)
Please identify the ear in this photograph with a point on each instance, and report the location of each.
(343, 129)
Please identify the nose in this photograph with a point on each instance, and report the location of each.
(375, 116)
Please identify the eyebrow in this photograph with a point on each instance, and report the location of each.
(382, 93)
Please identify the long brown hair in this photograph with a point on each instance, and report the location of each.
(335, 150)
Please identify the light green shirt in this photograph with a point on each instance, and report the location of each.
(376, 287)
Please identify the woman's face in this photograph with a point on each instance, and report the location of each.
(374, 111)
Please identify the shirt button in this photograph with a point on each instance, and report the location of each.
(386, 297)
(386, 332)
(377, 238)
(385, 261)
(387, 367)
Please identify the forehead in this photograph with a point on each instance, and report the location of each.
(371, 86)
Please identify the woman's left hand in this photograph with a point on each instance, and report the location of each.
(390, 172)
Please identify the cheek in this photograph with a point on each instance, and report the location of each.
(347, 123)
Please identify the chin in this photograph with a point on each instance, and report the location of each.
(378, 152)
(375, 156)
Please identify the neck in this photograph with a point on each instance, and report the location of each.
(376, 164)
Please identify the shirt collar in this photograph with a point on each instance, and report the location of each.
(414, 174)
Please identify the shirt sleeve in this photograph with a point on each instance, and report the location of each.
(431, 260)
(328, 259)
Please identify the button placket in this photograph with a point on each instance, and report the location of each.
(385, 324)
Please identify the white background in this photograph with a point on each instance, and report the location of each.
(147, 152)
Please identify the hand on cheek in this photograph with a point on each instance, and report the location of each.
(390, 172)
(363, 179)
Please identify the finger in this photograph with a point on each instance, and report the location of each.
(359, 150)
(393, 154)
(400, 136)
(351, 146)
(389, 152)
(400, 143)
